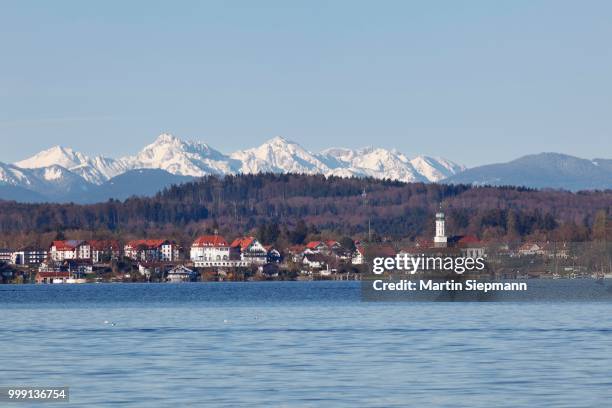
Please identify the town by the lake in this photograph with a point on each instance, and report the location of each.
(213, 257)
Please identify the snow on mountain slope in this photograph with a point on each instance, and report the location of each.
(13, 176)
(62, 173)
(58, 155)
(435, 169)
(94, 170)
(279, 155)
(178, 157)
(383, 163)
(52, 181)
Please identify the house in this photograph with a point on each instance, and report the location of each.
(67, 271)
(251, 250)
(181, 273)
(148, 269)
(329, 247)
(296, 252)
(104, 250)
(53, 277)
(358, 256)
(209, 249)
(152, 250)
(70, 249)
(273, 254)
(314, 261)
(28, 256)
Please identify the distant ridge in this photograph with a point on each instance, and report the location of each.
(544, 170)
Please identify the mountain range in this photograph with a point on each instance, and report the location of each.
(61, 174)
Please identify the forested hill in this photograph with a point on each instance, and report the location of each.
(340, 206)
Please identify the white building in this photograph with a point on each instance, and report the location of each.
(152, 250)
(358, 256)
(181, 273)
(209, 249)
(70, 249)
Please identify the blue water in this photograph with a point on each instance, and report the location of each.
(300, 344)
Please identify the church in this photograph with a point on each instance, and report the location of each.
(468, 246)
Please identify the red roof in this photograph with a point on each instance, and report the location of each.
(313, 244)
(243, 242)
(66, 245)
(329, 243)
(104, 245)
(210, 240)
(147, 243)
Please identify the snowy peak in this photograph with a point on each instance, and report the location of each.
(57, 155)
(96, 170)
(179, 157)
(435, 169)
(279, 155)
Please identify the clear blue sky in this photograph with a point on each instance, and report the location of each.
(474, 81)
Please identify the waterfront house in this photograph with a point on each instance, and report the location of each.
(181, 273)
(314, 261)
(210, 250)
(251, 250)
(273, 254)
(67, 271)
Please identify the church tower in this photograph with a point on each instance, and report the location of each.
(440, 239)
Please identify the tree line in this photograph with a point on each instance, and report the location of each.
(292, 208)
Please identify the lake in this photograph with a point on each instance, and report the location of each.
(300, 344)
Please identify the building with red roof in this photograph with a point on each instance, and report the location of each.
(70, 249)
(211, 250)
(152, 250)
(251, 250)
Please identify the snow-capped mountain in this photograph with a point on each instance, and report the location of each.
(61, 169)
(279, 155)
(436, 168)
(54, 181)
(179, 157)
(372, 162)
(94, 170)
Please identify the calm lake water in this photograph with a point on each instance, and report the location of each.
(300, 344)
